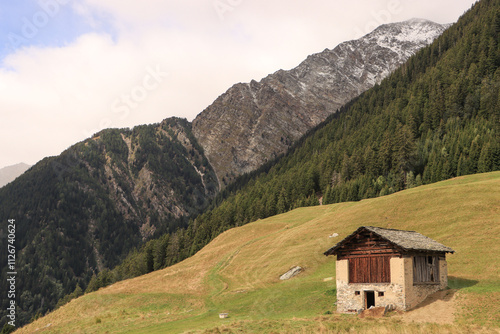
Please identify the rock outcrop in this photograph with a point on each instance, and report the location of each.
(253, 122)
(291, 273)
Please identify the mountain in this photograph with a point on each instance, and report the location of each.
(85, 210)
(238, 272)
(436, 117)
(252, 123)
(10, 173)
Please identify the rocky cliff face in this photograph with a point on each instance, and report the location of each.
(253, 122)
(159, 172)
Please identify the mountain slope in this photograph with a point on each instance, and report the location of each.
(436, 117)
(10, 173)
(252, 123)
(86, 209)
(239, 271)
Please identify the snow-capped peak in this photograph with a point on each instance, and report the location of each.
(283, 106)
(405, 37)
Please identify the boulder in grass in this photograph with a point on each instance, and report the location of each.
(291, 273)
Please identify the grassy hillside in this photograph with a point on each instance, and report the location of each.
(239, 271)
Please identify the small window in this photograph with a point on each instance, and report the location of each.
(357, 293)
(381, 293)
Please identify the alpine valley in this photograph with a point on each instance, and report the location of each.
(362, 120)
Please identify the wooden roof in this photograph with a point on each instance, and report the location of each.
(405, 240)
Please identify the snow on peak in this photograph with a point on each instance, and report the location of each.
(397, 36)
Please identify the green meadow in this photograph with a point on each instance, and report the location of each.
(238, 272)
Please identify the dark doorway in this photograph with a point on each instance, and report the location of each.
(369, 299)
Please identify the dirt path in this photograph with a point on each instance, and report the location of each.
(438, 308)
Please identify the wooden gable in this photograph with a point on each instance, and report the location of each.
(366, 244)
(376, 237)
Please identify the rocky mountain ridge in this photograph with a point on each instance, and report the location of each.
(10, 173)
(254, 122)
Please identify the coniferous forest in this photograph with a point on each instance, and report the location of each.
(87, 209)
(435, 118)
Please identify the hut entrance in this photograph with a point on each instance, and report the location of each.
(369, 299)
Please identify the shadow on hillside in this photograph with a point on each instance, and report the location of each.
(460, 283)
(442, 295)
(454, 285)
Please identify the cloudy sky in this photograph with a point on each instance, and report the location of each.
(69, 68)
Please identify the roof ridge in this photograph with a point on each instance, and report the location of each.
(392, 229)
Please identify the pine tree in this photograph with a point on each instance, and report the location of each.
(282, 204)
(418, 180)
(385, 153)
(93, 285)
(410, 180)
(78, 291)
(405, 153)
(485, 162)
(149, 257)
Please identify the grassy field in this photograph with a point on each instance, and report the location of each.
(239, 271)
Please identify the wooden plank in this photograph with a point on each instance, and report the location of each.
(367, 249)
(381, 245)
(370, 250)
(365, 254)
(425, 269)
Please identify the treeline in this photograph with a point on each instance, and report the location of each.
(436, 117)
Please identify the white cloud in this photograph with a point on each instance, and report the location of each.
(54, 97)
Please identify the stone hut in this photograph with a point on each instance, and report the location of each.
(386, 267)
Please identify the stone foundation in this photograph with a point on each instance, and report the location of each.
(351, 297)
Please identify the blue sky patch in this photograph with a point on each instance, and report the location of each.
(43, 23)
